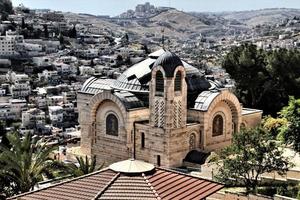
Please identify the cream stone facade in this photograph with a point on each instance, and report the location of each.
(161, 110)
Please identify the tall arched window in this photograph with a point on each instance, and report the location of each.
(142, 140)
(177, 84)
(159, 83)
(218, 123)
(192, 141)
(112, 125)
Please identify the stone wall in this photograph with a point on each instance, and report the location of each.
(252, 119)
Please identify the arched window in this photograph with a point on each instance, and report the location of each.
(243, 125)
(177, 84)
(142, 140)
(112, 125)
(192, 141)
(218, 123)
(159, 83)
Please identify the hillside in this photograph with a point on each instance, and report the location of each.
(264, 16)
(181, 25)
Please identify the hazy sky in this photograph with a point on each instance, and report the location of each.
(116, 7)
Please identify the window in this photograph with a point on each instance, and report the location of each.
(142, 140)
(159, 83)
(192, 141)
(112, 126)
(177, 84)
(218, 125)
(158, 162)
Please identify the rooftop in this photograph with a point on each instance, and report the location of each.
(146, 182)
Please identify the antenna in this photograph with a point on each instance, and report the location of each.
(163, 38)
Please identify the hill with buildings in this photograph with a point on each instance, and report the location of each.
(263, 16)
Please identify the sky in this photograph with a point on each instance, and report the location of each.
(116, 7)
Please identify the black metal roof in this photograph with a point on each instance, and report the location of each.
(197, 157)
(136, 78)
(129, 100)
(168, 61)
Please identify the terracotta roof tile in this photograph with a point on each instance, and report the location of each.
(157, 184)
(84, 187)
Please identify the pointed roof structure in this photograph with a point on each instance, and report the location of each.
(130, 180)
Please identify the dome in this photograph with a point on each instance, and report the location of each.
(132, 166)
(169, 61)
(137, 77)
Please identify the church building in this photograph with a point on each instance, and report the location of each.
(161, 110)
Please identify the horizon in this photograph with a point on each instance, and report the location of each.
(116, 7)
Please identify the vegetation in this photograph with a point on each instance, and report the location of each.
(85, 166)
(252, 153)
(23, 164)
(264, 79)
(290, 133)
(286, 127)
(6, 8)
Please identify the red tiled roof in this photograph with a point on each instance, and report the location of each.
(106, 184)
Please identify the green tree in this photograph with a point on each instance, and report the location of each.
(247, 67)
(46, 32)
(72, 33)
(264, 80)
(252, 153)
(23, 25)
(291, 133)
(24, 163)
(274, 125)
(85, 166)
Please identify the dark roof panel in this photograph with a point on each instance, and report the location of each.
(168, 61)
(129, 100)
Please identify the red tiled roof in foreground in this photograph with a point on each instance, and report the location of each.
(107, 184)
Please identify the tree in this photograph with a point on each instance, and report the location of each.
(46, 32)
(252, 153)
(72, 33)
(291, 133)
(264, 79)
(84, 166)
(247, 67)
(23, 25)
(274, 125)
(25, 162)
(61, 39)
(6, 8)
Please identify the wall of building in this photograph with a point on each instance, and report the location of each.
(252, 119)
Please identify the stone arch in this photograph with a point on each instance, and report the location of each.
(156, 69)
(99, 98)
(233, 103)
(192, 141)
(159, 82)
(181, 70)
(218, 124)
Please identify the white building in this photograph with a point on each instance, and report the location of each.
(18, 106)
(42, 61)
(20, 89)
(55, 100)
(34, 118)
(86, 70)
(8, 43)
(56, 114)
(14, 77)
(5, 111)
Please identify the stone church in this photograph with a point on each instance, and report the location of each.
(162, 110)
